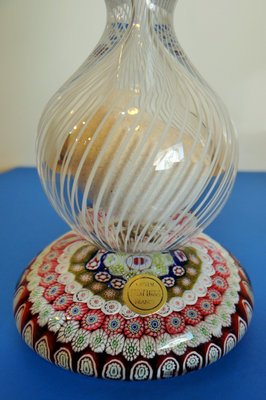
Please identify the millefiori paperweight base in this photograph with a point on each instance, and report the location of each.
(128, 316)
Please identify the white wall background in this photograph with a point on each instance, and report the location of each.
(43, 41)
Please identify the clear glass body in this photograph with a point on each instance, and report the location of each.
(135, 151)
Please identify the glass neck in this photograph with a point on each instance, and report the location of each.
(136, 11)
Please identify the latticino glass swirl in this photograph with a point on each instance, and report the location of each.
(135, 151)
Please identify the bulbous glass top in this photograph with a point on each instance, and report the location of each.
(135, 151)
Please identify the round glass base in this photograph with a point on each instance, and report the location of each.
(133, 316)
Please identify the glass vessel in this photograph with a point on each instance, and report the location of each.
(138, 155)
(135, 151)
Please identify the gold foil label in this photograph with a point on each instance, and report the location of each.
(145, 294)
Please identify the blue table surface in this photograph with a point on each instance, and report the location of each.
(29, 223)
